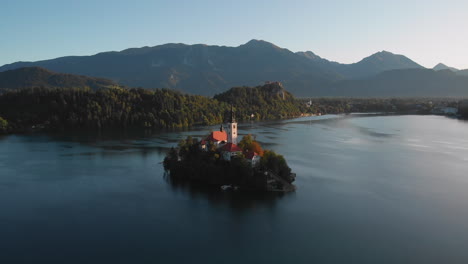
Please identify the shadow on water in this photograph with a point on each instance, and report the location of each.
(117, 142)
(93, 136)
(236, 200)
(342, 121)
(369, 132)
(123, 150)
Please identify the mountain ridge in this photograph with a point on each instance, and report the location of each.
(211, 69)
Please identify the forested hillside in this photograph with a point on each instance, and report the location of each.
(270, 101)
(42, 108)
(31, 77)
(109, 108)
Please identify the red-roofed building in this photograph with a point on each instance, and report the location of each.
(252, 157)
(203, 144)
(230, 150)
(217, 136)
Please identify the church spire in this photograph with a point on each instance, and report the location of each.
(232, 118)
(232, 128)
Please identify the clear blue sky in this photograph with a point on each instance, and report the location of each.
(345, 31)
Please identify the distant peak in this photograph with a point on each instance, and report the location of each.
(385, 60)
(259, 43)
(383, 53)
(441, 66)
(309, 55)
(254, 41)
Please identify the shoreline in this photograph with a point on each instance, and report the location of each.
(137, 130)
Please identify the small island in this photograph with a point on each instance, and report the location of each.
(219, 161)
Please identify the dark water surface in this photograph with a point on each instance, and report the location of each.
(371, 189)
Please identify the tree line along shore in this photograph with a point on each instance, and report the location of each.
(118, 108)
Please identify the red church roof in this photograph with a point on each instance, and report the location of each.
(217, 136)
(230, 147)
(250, 154)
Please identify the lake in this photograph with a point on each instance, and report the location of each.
(370, 189)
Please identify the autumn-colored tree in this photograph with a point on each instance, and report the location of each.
(248, 144)
(255, 147)
(3, 125)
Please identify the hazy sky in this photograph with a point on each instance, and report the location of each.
(427, 31)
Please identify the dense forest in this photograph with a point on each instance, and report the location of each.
(118, 108)
(269, 101)
(107, 108)
(53, 109)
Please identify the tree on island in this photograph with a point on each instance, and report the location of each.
(276, 164)
(3, 125)
(248, 144)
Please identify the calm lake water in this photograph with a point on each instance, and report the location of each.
(371, 189)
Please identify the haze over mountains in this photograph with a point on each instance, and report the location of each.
(208, 70)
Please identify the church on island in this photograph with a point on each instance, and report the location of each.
(225, 140)
(220, 160)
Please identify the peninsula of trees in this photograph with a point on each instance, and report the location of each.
(118, 108)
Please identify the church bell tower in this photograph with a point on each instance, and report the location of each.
(232, 128)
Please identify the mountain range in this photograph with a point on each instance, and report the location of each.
(208, 70)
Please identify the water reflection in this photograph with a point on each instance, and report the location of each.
(384, 185)
(236, 200)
